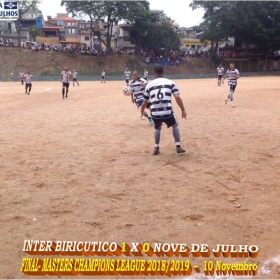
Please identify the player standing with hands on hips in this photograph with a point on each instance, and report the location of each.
(160, 91)
(65, 79)
(232, 74)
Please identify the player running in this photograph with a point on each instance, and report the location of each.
(127, 75)
(220, 73)
(138, 87)
(232, 75)
(75, 76)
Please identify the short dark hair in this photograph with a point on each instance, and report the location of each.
(158, 70)
(232, 63)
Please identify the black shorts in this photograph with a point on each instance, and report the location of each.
(127, 81)
(28, 85)
(171, 121)
(232, 87)
(65, 85)
(74, 79)
(220, 77)
(102, 77)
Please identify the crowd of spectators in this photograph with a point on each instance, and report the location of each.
(69, 48)
(151, 57)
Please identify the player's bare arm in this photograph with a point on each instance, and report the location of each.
(143, 106)
(181, 105)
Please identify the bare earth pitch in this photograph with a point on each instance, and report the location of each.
(82, 169)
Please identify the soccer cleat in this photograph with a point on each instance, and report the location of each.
(226, 99)
(232, 105)
(180, 150)
(156, 151)
(150, 121)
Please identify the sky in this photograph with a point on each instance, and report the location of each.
(178, 10)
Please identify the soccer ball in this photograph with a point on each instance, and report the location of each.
(11, 73)
(127, 90)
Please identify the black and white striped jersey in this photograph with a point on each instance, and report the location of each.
(127, 74)
(66, 76)
(220, 70)
(138, 88)
(160, 91)
(232, 80)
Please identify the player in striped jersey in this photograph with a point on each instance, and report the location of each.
(28, 82)
(127, 75)
(232, 75)
(103, 74)
(146, 73)
(138, 87)
(21, 76)
(160, 91)
(65, 79)
(220, 73)
(75, 76)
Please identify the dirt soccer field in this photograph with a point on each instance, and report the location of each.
(82, 169)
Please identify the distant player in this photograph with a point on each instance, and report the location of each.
(28, 82)
(160, 91)
(220, 73)
(103, 74)
(232, 75)
(146, 73)
(21, 76)
(75, 76)
(65, 77)
(138, 87)
(127, 75)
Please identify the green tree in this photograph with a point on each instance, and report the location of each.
(24, 6)
(251, 22)
(218, 21)
(156, 32)
(109, 11)
(34, 31)
(258, 24)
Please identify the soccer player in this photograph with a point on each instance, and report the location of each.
(28, 82)
(146, 73)
(127, 75)
(75, 76)
(160, 91)
(103, 74)
(232, 75)
(220, 73)
(21, 76)
(65, 79)
(138, 87)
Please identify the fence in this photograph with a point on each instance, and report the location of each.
(114, 71)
